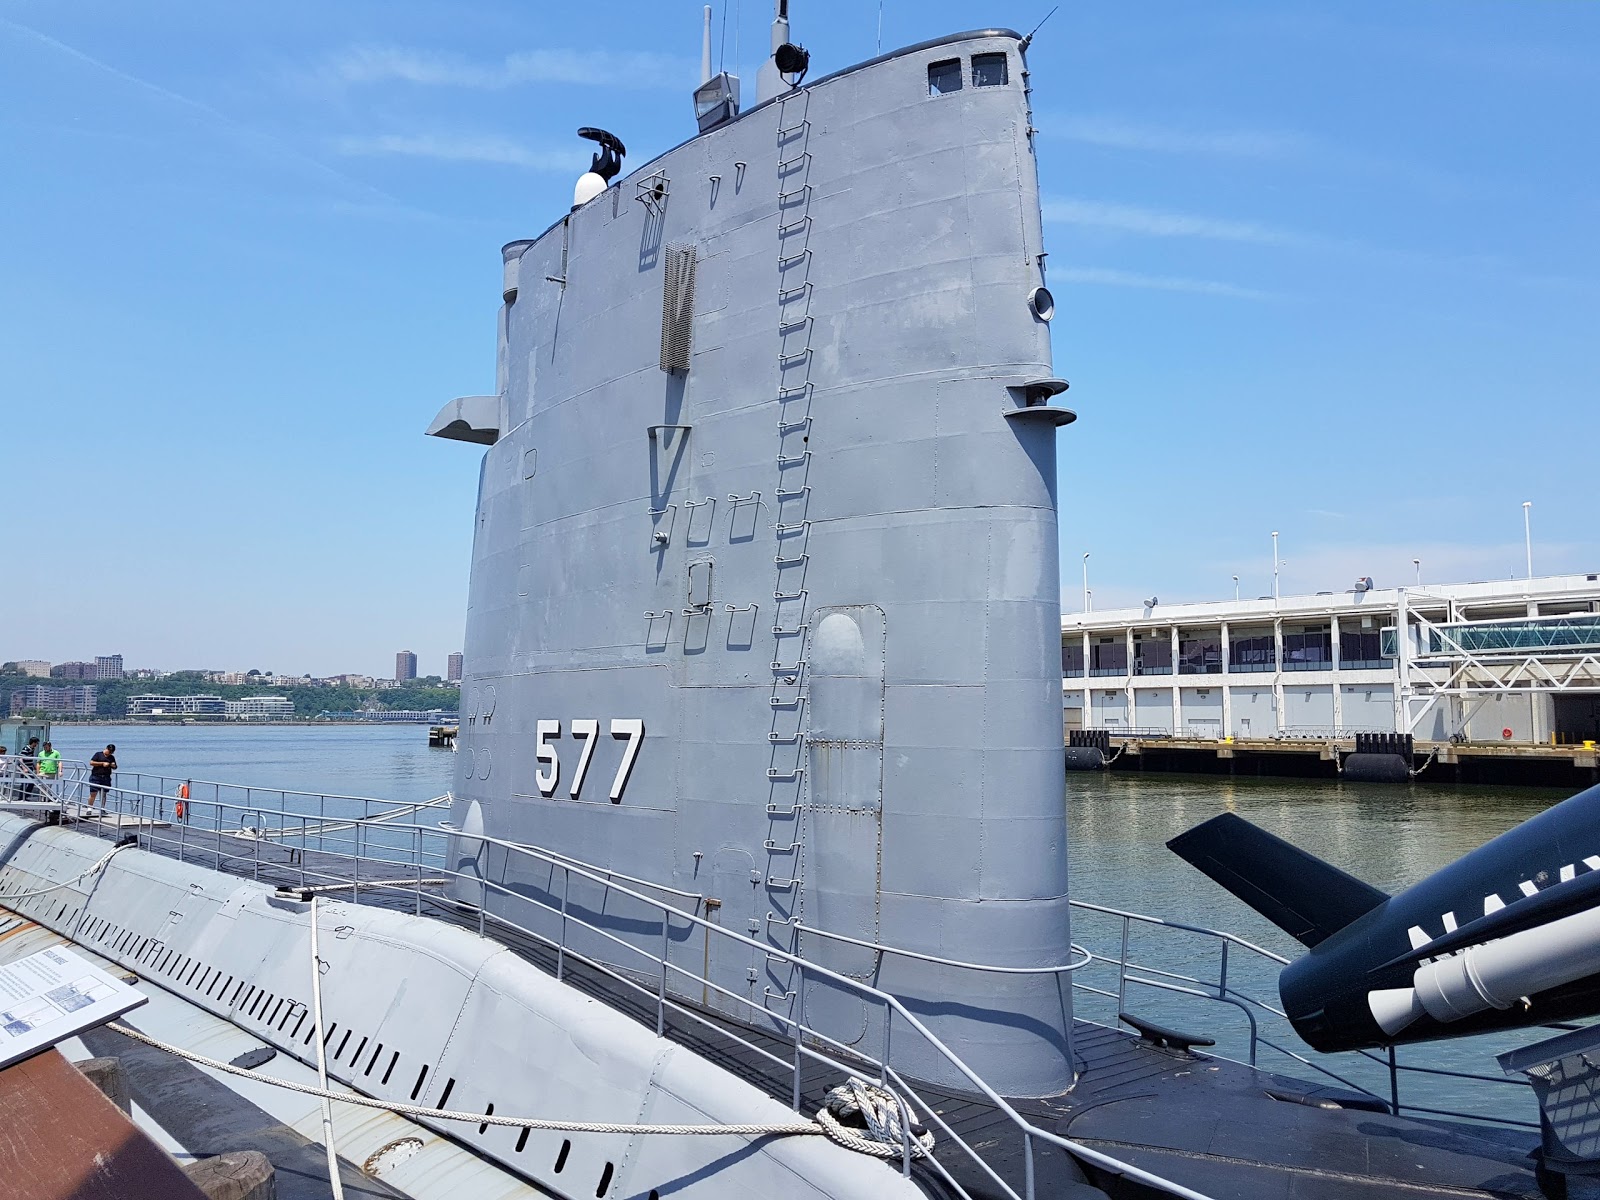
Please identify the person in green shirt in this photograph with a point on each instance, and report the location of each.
(50, 763)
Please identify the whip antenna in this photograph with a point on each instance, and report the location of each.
(1027, 41)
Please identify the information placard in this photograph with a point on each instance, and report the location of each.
(52, 995)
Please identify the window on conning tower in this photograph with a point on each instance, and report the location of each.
(988, 70)
(944, 77)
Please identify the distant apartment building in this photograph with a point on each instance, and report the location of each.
(108, 666)
(405, 665)
(452, 668)
(259, 708)
(177, 706)
(361, 681)
(55, 701)
(34, 668)
(73, 670)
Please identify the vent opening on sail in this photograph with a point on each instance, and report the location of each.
(677, 307)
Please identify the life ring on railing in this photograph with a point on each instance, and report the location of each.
(182, 807)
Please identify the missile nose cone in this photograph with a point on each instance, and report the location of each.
(1394, 1008)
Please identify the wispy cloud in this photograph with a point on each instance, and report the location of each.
(1152, 222)
(396, 64)
(1118, 134)
(1111, 277)
(466, 148)
(248, 138)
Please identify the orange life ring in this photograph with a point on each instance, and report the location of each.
(183, 794)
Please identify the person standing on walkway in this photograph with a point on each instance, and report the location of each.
(101, 764)
(49, 771)
(27, 768)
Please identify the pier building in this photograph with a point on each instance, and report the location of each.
(1515, 662)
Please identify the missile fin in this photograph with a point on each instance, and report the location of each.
(1299, 893)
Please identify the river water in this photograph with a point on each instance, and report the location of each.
(1388, 835)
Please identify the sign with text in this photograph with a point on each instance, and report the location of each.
(53, 995)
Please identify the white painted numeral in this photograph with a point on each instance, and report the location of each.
(546, 753)
(631, 728)
(585, 729)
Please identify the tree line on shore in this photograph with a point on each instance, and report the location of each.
(309, 699)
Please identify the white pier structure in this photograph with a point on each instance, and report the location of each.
(1514, 661)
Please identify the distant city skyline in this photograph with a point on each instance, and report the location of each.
(110, 667)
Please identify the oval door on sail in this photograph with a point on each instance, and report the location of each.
(844, 802)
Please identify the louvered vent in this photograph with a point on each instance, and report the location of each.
(677, 307)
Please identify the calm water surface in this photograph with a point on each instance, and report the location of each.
(1390, 836)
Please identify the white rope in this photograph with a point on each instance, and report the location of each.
(880, 1109)
(370, 883)
(105, 858)
(322, 1061)
(827, 1123)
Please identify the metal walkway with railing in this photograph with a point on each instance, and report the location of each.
(398, 856)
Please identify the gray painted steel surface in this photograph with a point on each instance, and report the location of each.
(819, 565)
(420, 1012)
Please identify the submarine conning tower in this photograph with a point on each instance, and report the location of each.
(764, 605)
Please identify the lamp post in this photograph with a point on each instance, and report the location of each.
(1417, 563)
(1527, 534)
(1275, 565)
(1235, 589)
(1085, 581)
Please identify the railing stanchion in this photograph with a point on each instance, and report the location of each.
(661, 991)
(1122, 972)
(1027, 1164)
(794, 1102)
(1394, 1083)
(416, 842)
(561, 944)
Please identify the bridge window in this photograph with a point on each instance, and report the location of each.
(944, 77)
(989, 70)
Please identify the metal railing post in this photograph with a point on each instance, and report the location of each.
(661, 991)
(1122, 972)
(1027, 1164)
(561, 944)
(1394, 1083)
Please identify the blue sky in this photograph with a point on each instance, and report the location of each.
(1326, 269)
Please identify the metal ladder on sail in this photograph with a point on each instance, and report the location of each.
(792, 536)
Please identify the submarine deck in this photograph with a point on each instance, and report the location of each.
(1214, 1125)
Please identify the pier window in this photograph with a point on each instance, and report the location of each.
(1152, 655)
(1308, 650)
(944, 77)
(1108, 656)
(1072, 659)
(1360, 650)
(989, 70)
(1251, 653)
(1200, 654)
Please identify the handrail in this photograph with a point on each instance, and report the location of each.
(1221, 990)
(901, 952)
(890, 1004)
(559, 859)
(1216, 933)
